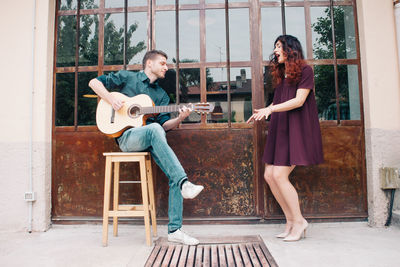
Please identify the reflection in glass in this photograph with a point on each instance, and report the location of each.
(165, 34)
(215, 35)
(137, 36)
(217, 94)
(65, 99)
(68, 4)
(268, 87)
(114, 39)
(87, 99)
(137, 2)
(325, 92)
(88, 40)
(169, 85)
(296, 26)
(240, 83)
(345, 32)
(271, 23)
(189, 36)
(66, 36)
(189, 91)
(114, 3)
(349, 98)
(239, 34)
(321, 32)
(241, 94)
(89, 4)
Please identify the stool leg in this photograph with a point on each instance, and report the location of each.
(145, 198)
(107, 185)
(151, 196)
(116, 197)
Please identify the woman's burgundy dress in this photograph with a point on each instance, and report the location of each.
(294, 137)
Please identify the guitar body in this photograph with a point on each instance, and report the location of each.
(114, 123)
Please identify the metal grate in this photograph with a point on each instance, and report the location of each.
(212, 251)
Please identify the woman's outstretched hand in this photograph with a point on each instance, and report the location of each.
(259, 114)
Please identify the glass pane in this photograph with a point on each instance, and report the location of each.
(325, 92)
(345, 36)
(165, 2)
(189, 84)
(321, 32)
(241, 94)
(137, 2)
(349, 98)
(296, 26)
(66, 36)
(217, 94)
(89, 4)
(114, 3)
(87, 99)
(68, 4)
(165, 34)
(88, 40)
(114, 39)
(65, 99)
(215, 35)
(223, 1)
(268, 87)
(271, 23)
(186, 2)
(137, 37)
(169, 85)
(189, 36)
(239, 34)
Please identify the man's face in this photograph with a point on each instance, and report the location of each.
(158, 66)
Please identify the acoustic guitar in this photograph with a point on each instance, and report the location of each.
(135, 112)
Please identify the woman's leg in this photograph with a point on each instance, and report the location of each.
(279, 198)
(289, 194)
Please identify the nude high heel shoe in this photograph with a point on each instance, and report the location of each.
(282, 235)
(302, 234)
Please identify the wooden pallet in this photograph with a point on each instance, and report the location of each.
(212, 251)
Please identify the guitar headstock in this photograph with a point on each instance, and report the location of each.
(202, 108)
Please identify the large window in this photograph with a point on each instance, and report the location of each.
(327, 33)
(212, 48)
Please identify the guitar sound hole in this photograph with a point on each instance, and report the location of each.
(134, 111)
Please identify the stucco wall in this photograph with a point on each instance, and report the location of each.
(381, 92)
(25, 140)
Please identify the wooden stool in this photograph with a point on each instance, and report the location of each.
(146, 180)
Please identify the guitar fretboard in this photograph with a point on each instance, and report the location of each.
(160, 109)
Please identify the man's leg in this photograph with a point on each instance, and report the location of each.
(152, 137)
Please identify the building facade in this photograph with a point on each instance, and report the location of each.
(219, 53)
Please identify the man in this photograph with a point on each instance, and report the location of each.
(152, 137)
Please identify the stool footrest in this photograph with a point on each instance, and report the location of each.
(130, 207)
(130, 213)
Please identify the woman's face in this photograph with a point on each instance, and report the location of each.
(278, 51)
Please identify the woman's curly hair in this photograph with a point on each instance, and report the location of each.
(293, 64)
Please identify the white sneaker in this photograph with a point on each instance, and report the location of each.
(190, 190)
(181, 237)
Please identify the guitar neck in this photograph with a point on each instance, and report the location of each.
(160, 109)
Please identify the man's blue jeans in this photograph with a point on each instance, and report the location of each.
(152, 138)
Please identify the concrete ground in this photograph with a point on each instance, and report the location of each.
(327, 244)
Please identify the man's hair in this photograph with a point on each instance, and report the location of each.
(152, 55)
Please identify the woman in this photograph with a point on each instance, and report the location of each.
(294, 136)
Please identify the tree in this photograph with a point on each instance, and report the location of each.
(88, 56)
(324, 75)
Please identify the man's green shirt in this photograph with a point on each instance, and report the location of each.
(134, 83)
